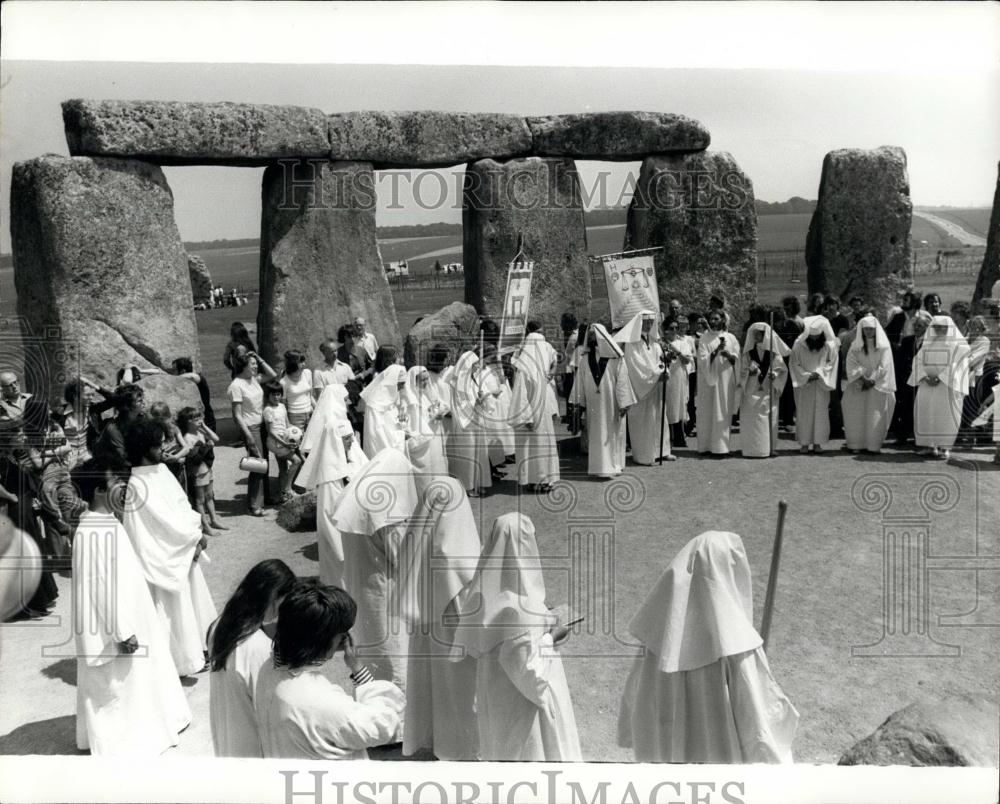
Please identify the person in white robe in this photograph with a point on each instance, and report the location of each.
(239, 647)
(716, 398)
(331, 407)
(385, 411)
(129, 700)
(763, 375)
(603, 392)
(166, 534)
(648, 426)
(940, 378)
(523, 704)
(701, 689)
(301, 713)
(542, 354)
(813, 368)
(532, 416)
(468, 453)
(373, 516)
(678, 350)
(436, 561)
(870, 387)
(496, 408)
(438, 392)
(425, 424)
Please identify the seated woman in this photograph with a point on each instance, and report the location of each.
(239, 646)
(301, 714)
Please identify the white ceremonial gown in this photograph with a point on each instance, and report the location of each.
(868, 412)
(716, 400)
(812, 397)
(425, 446)
(647, 419)
(937, 409)
(468, 453)
(373, 517)
(304, 715)
(678, 387)
(531, 416)
(759, 403)
(165, 531)
(382, 410)
(701, 690)
(522, 699)
(436, 561)
(496, 413)
(326, 470)
(127, 705)
(231, 691)
(604, 402)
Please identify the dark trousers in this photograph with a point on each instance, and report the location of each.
(256, 482)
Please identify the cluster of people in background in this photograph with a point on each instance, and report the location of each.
(218, 297)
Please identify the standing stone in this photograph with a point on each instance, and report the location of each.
(319, 260)
(99, 263)
(859, 236)
(538, 199)
(455, 326)
(700, 208)
(989, 274)
(201, 279)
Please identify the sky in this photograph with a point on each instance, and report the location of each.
(777, 123)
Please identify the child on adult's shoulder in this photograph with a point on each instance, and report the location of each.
(199, 439)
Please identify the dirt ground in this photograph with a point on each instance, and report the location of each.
(605, 543)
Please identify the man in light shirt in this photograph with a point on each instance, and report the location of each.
(365, 342)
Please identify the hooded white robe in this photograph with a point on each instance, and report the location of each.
(523, 702)
(644, 360)
(126, 705)
(383, 406)
(165, 531)
(531, 416)
(496, 412)
(701, 689)
(812, 397)
(937, 409)
(436, 561)
(304, 715)
(868, 412)
(604, 403)
(425, 447)
(716, 399)
(327, 469)
(759, 402)
(372, 517)
(468, 455)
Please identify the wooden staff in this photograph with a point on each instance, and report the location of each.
(663, 405)
(772, 579)
(770, 394)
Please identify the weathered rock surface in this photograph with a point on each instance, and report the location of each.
(989, 274)
(957, 731)
(616, 136)
(859, 235)
(455, 326)
(201, 279)
(426, 139)
(538, 199)
(177, 392)
(700, 208)
(99, 263)
(299, 513)
(175, 133)
(320, 263)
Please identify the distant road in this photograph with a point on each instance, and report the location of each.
(966, 237)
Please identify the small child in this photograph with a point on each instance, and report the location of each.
(199, 438)
(276, 421)
(175, 448)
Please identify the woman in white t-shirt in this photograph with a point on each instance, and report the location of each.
(297, 383)
(247, 398)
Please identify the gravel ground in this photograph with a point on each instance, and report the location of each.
(829, 596)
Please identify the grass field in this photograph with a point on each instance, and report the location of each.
(975, 220)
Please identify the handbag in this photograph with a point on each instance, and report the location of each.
(257, 466)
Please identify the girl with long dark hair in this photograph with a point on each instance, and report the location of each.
(239, 645)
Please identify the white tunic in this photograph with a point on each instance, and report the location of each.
(937, 407)
(127, 705)
(716, 400)
(165, 531)
(534, 433)
(647, 418)
(605, 423)
(678, 386)
(812, 397)
(868, 412)
(231, 691)
(525, 711)
(304, 715)
(758, 429)
(468, 445)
